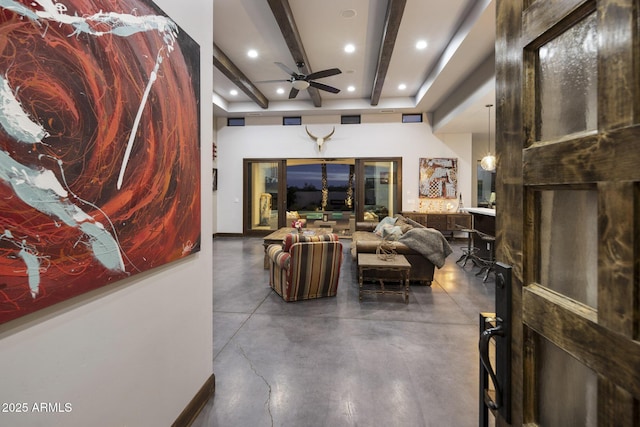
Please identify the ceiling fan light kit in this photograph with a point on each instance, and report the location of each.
(300, 84)
(301, 81)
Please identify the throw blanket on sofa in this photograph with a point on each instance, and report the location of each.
(429, 243)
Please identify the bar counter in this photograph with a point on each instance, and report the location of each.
(484, 221)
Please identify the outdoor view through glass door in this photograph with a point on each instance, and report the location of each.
(321, 193)
(331, 193)
(261, 195)
(381, 189)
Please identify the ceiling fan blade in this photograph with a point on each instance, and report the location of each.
(286, 69)
(324, 87)
(274, 81)
(293, 93)
(323, 73)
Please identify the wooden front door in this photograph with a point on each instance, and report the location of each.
(568, 211)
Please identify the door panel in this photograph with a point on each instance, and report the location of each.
(262, 188)
(379, 188)
(568, 389)
(567, 64)
(568, 92)
(568, 253)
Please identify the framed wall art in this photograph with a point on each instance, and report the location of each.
(99, 147)
(438, 178)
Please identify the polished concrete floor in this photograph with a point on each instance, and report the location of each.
(340, 361)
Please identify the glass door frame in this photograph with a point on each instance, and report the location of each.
(281, 203)
(361, 181)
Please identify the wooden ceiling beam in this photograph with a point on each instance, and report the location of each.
(395, 10)
(229, 69)
(284, 17)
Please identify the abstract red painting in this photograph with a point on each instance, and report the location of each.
(99, 147)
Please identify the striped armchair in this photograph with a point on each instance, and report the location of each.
(305, 267)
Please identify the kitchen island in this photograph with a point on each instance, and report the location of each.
(484, 221)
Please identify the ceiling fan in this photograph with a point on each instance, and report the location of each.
(303, 81)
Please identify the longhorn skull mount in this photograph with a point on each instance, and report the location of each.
(320, 140)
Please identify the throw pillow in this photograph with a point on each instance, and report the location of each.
(370, 216)
(391, 232)
(385, 221)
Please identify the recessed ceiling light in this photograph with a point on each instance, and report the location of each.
(349, 48)
(280, 91)
(348, 13)
(233, 92)
(402, 86)
(252, 53)
(351, 88)
(421, 44)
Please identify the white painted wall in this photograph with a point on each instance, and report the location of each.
(214, 198)
(136, 352)
(375, 137)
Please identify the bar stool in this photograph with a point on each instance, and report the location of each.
(488, 265)
(469, 251)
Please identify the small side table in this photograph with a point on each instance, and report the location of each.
(380, 269)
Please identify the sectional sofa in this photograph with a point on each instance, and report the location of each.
(424, 248)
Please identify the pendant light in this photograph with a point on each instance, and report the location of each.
(488, 162)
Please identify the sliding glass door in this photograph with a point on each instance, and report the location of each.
(322, 192)
(262, 195)
(334, 193)
(379, 182)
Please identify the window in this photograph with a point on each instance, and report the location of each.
(235, 121)
(412, 118)
(350, 120)
(292, 121)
